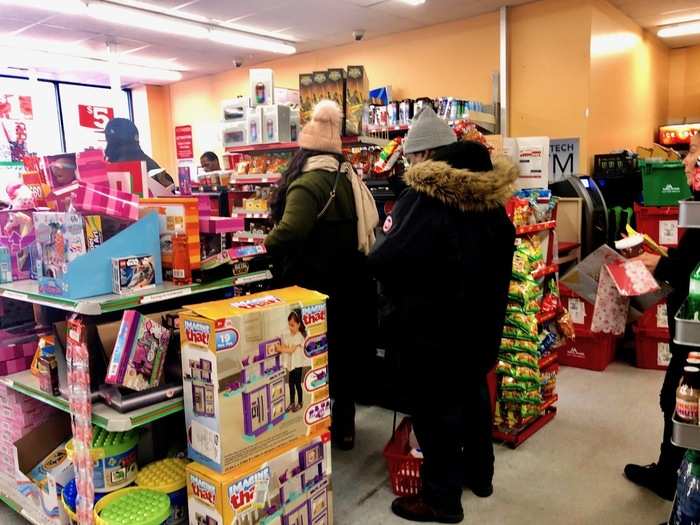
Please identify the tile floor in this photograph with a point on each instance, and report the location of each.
(569, 473)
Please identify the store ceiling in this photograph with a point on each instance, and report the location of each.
(651, 14)
(309, 24)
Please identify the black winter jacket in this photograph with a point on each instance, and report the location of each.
(445, 266)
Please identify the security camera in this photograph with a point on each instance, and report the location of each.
(358, 34)
(237, 62)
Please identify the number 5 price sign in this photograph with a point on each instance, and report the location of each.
(94, 117)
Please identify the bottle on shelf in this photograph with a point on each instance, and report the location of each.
(182, 272)
(686, 506)
(694, 294)
(688, 395)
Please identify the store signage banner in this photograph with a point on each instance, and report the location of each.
(563, 158)
(94, 117)
(16, 107)
(183, 142)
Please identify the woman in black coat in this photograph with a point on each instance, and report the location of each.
(445, 266)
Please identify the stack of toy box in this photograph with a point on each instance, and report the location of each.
(19, 414)
(257, 409)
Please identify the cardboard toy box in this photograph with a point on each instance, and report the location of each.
(289, 487)
(306, 97)
(237, 368)
(357, 96)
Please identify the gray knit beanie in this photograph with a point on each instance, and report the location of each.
(428, 131)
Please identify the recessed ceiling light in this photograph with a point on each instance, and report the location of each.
(689, 28)
(413, 2)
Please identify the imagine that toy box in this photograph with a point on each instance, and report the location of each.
(290, 488)
(255, 372)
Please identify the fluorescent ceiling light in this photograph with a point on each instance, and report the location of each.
(237, 39)
(68, 7)
(689, 28)
(151, 18)
(35, 58)
(413, 2)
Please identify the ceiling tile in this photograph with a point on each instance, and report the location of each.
(225, 10)
(51, 33)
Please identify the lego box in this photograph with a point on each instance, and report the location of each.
(285, 488)
(255, 372)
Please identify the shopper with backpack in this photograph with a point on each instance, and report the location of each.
(325, 219)
(445, 265)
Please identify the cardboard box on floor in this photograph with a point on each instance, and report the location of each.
(291, 486)
(244, 361)
(33, 448)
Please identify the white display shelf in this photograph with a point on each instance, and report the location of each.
(102, 415)
(21, 504)
(28, 291)
(247, 214)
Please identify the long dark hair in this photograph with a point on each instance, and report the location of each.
(292, 173)
(296, 315)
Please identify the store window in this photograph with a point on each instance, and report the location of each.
(86, 111)
(29, 119)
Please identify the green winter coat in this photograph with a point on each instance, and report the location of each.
(316, 252)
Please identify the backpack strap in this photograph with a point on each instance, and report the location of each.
(331, 198)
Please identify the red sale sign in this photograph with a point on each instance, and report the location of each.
(183, 142)
(94, 117)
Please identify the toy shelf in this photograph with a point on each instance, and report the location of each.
(28, 291)
(534, 228)
(278, 146)
(255, 178)
(248, 237)
(102, 415)
(21, 504)
(240, 213)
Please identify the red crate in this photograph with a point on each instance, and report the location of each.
(588, 350)
(652, 348)
(660, 223)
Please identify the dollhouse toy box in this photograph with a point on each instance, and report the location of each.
(255, 372)
(288, 487)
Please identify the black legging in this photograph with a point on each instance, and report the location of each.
(295, 379)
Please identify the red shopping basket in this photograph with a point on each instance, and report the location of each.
(404, 469)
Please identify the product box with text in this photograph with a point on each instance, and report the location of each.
(289, 487)
(357, 86)
(255, 372)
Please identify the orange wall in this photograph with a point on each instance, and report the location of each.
(160, 121)
(549, 66)
(456, 59)
(629, 84)
(684, 93)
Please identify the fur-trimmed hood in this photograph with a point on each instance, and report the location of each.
(464, 189)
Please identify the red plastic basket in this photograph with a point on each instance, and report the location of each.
(404, 469)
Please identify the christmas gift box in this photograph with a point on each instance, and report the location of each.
(101, 200)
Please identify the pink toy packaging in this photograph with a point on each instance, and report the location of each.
(17, 235)
(139, 353)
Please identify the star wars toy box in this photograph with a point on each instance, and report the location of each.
(255, 371)
(291, 486)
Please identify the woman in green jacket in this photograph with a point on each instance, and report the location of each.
(325, 227)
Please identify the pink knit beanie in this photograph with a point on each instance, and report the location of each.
(322, 132)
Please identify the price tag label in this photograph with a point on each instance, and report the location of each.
(577, 311)
(165, 296)
(663, 354)
(668, 232)
(662, 315)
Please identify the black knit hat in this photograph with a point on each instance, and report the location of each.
(465, 155)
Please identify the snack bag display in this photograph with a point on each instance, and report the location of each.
(516, 345)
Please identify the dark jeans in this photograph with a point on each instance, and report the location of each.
(295, 379)
(456, 442)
